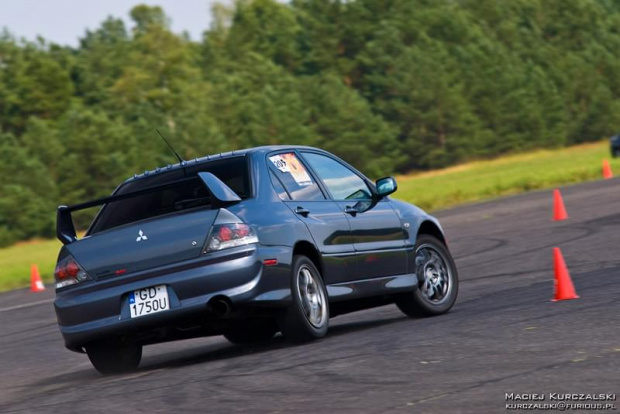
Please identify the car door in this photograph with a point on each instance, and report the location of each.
(378, 237)
(326, 222)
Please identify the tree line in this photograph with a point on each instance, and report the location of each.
(388, 85)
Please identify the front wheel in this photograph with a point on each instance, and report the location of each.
(307, 317)
(438, 282)
(114, 357)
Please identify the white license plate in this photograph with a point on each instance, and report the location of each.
(147, 301)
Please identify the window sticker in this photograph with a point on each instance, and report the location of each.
(279, 162)
(288, 163)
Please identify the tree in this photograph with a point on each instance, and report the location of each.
(26, 204)
(389, 86)
(33, 84)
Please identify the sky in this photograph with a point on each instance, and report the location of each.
(65, 21)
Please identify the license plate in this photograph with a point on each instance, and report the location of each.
(147, 301)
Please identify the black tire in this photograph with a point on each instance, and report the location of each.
(114, 357)
(301, 323)
(253, 331)
(443, 284)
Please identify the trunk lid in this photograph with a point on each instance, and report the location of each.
(145, 244)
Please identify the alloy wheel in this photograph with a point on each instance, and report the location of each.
(434, 274)
(312, 297)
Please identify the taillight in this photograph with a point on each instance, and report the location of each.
(225, 236)
(69, 272)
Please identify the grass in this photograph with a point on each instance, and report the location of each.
(15, 262)
(433, 190)
(481, 180)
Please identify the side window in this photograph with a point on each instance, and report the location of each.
(293, 175)
(277, 185)
(342, 183)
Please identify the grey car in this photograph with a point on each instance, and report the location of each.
(243, 244)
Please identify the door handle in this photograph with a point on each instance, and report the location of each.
(302, 211)
(351, 210)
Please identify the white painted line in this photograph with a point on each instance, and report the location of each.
(26, 305)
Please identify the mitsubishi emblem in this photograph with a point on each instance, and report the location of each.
(141, 236)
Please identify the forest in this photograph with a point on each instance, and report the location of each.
(391, 86)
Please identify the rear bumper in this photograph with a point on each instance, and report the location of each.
(100, 308)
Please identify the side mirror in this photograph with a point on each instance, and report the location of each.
(386, 186)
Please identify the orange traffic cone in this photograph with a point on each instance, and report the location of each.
(36, 285)
(559, 211)
(607, 173)
(564, 288)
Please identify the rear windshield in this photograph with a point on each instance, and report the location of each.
(180, 193)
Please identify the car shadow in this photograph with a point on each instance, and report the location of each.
(200, 354)
(224, 350)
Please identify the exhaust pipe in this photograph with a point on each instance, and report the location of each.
(220, 306)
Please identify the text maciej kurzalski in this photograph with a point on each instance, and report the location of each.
(554, 396)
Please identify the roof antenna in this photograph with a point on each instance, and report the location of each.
(181, 161)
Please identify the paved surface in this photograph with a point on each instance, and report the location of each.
(503, 335)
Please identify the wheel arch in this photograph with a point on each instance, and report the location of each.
(305, 248)
(429, 228)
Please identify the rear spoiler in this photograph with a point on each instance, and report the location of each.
(221, 196)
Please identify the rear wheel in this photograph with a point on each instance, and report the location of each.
(248, 332)
(438, 282)
(114, 356)
(307, 317)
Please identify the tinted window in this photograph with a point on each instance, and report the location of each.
(277, 185)
(180, 193)
(293, 175)
(342, 183)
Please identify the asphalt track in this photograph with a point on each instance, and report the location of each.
(503, 335)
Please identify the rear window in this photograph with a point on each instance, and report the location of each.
(179, 194)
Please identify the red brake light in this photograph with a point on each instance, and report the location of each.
(225, 234)
(60, 272)
(69, 272)
(72, 268)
